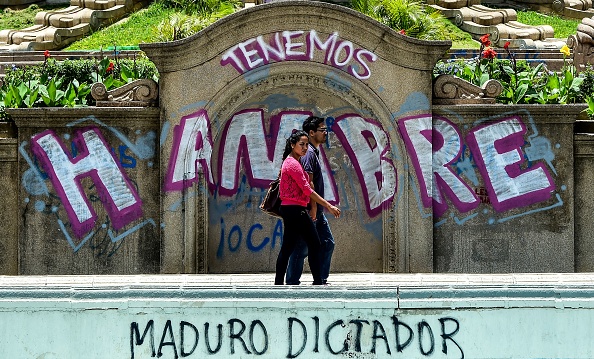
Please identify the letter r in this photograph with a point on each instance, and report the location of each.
(94, 160)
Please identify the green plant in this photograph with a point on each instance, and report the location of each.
(179, 26)
(67, 83)
(563, 27)
(412, 17)
(522, 84)
(193, 16)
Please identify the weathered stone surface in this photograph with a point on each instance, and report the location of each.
(536, 238)
(478, 188)
(48, 243)
(582, 44)
(451, 90)
(139, 93)
(195, 77)
(8, 215)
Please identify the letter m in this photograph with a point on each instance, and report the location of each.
(139, 340)
(94, 160)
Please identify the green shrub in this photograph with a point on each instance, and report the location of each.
(414, 18)
(522, 83)
(68, 83)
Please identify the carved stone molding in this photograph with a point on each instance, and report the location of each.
(582, 44)
(139, 93)
(451, 90)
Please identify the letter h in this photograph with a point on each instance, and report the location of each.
(94, 160)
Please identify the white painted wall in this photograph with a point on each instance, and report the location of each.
(68, 317)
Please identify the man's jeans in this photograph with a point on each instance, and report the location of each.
(299, 254)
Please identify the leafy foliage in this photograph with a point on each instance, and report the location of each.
(192, 16)
(522, 83)
(68, 83)
(413, 17)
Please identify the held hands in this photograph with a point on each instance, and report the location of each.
(313, 213)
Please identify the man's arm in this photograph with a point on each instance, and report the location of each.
(313, 211)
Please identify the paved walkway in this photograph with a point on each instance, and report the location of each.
(336, 280)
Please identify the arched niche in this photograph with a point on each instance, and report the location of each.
(227, 71)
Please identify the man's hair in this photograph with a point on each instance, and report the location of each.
(311, 123)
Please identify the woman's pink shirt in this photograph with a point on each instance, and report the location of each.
(294, 184)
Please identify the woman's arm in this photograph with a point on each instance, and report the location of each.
(317, 198)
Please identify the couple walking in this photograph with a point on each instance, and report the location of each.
(306, 230)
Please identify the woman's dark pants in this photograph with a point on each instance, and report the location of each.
(298, 225)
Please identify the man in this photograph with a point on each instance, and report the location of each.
(317, 131)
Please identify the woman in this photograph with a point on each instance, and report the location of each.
(295, 193)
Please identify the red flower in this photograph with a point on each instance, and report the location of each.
(506, 45)
(485, 40)
(489, 53)
(403, 32)
(109, 68)
(46, 54)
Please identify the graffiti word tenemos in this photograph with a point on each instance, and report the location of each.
(300, 46)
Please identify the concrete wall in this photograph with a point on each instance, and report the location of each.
(8, 214)
(584, 206)
(176, 189)
(521, 218)
(413, 316)
(83, 176)
(230, 103)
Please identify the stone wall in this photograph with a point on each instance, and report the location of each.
(88, 191)
(175, 189)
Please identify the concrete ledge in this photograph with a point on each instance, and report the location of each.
(240, 316)
(516, 290)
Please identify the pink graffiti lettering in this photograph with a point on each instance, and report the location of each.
(244, 139)
(498, 154)
(368, 147)
(192, 147)
(94, 160)
(434, 144)
(299, 46)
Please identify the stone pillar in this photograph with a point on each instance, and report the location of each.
(8, 207)
(584, 199)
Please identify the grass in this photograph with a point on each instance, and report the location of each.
(139, 27)
(563, 27)
(142, 27)
(460, 39)
(21, 19)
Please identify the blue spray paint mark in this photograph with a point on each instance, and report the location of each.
(336, 82)
(164, 133)
(558, 204)
(32, 178)
(464, 220)
(255, 76)
(69, 238)
(144, 147)
(415, 101)
(39, 206)
(130, 231)
(192, 107)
